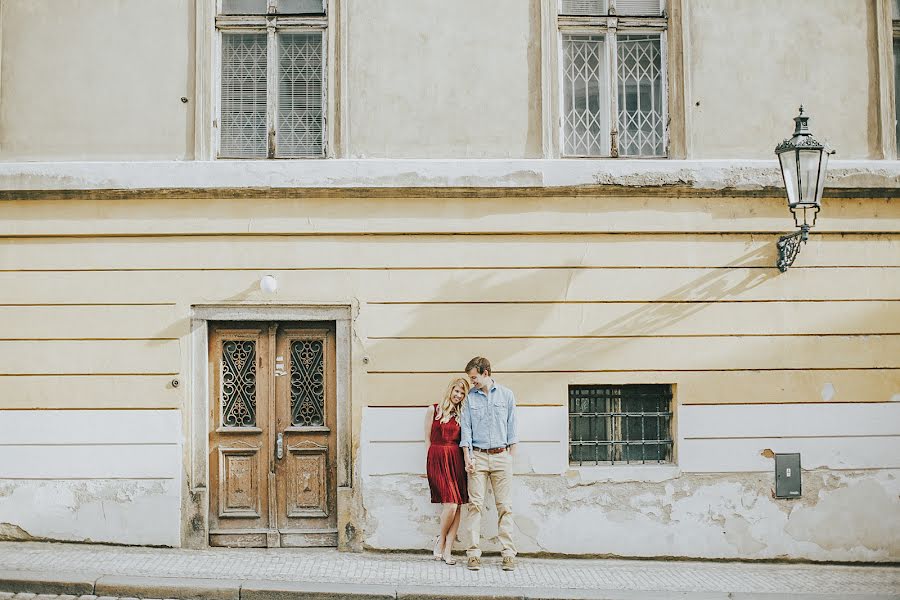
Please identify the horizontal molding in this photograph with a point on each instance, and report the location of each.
(749, 455)
(705, 176)
(60, 357)
(395, 213)
(90, 428)
(91, 462)
(789, 421)
(116, 322)
(449, 252)
(683, 353)
(752, 387)
(470, 285)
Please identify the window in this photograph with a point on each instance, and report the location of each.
(620, 424)
(272, 78)
(613, 77)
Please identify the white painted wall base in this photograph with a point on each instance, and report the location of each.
(715, 503)
(843, 516)
(91, 476)
(121, 511)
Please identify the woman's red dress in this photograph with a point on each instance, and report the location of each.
(445, 466)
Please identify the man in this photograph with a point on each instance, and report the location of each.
(488, 437)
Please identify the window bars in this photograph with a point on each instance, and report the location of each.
(613, 78)
(272, 93)
(620, 424)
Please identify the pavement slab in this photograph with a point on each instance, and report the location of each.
(321, 573)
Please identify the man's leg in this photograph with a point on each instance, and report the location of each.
(501, 482)
(477, 484)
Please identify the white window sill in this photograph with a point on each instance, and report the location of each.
(374, 173)
(622, 473)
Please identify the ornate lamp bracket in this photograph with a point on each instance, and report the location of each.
(789, 247)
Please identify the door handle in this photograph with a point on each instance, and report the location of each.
(279, 446)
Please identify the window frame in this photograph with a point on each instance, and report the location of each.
(271, 24)
(887, 31)
(890, 145)
(615, 428)
(671, 26)
(611, 26)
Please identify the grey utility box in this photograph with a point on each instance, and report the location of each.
(787, 475)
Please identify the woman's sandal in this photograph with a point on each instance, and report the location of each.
(436, 552)
(447, 556)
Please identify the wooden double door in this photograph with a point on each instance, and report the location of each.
(272, 463)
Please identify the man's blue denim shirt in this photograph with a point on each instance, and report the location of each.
(489, 421)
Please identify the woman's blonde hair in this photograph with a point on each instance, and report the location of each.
(445, 408)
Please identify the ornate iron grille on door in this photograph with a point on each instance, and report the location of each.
(611, 424)
(307, 383)
(238, 383)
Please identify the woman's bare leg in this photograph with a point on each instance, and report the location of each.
(451, 532)
(447, 513)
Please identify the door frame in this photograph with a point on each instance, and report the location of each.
(195, 504)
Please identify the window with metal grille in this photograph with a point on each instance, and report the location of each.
(613, 77)
(272, 91)
(620, 424)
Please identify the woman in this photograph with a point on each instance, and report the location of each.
(445, 466)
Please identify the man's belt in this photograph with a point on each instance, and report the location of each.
(491, 450)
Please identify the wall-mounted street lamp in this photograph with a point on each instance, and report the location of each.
(803, 162)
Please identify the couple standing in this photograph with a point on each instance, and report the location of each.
(471, 436)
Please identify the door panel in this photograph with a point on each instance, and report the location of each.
(273, 468)
(238, 440)
(306, 474)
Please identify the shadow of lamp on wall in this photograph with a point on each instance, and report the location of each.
(803, 161)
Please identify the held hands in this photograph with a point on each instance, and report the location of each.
(470, 467)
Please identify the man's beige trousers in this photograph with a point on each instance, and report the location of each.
(498, 469)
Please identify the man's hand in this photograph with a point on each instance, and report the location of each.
(470, 467)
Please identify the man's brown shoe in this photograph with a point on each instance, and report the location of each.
(508, 564)
(474, 563)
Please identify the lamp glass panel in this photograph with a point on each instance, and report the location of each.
(895, 9)
(788, 162)
(809, 175)
(823, 165)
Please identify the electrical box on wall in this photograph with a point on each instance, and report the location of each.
(787, 475)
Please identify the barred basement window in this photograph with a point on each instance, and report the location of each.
(272, 94)
(616, 424)
(613, 77)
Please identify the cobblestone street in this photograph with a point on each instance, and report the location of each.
(326, 566)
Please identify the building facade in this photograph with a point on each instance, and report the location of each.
(245, 243)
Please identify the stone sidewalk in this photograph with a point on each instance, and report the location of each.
(261, 574)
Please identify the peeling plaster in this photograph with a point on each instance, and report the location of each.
(693, 515)
(114, 510)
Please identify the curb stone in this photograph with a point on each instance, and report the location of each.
(183, 588)
(437, 592)
(47, 583)
(288, 590)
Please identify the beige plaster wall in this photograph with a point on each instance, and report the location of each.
(432, 79)
(96, 79)
(753, 62)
